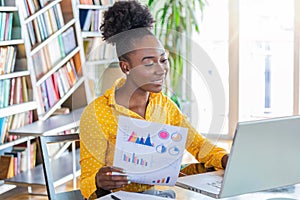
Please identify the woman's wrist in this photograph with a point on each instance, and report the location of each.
(224, 161)
(100, 191)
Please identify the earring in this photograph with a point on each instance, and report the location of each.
(127, 73)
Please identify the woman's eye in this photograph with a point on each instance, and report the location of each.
(164, 60)
(148, 64)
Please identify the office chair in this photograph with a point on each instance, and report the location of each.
(43, 141)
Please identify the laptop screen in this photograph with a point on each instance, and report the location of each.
(265, 154)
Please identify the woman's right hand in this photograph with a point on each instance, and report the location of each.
(106, 180)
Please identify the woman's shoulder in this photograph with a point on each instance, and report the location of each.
(98, 103)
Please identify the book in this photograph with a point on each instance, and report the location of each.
(25, 9)
(64, 80)
(61, 111)
(69, 40)
(55, 85)
(58, 16)
(8, 26)
(4, 52)
(31, 6)
(12, 91)
(18, 91)
(10, 59)
(43, 89)
(23, 157)
(55, 55)
(61, 46)
(71, 73)
(2, 25)
(89, 2)
(31, 33)
(53, 20)
(59, 84)
(88, 21)
(2, 131)
(48, 23)
(23, 147)
(37, 31)
(24, 89)
(82, 17)
(2, 96)
(6, 92)
(17, 161)
(52, 97)
(6, 166)
(6, 126)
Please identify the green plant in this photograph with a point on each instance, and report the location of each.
(175, 22)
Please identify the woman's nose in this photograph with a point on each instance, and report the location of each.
(162, 68)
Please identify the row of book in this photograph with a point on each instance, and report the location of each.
(13, 122)
(7, 3)
(6, 23)
(45, 24)
(15, 91)
(16, 161)
(57, 85)
(97, 2)
(7, 59)
(96, 49)
(54, 52)
(90, 20)
(31, 6)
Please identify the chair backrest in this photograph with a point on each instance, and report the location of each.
(48, 174)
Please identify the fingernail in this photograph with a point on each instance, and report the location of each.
(129, 182)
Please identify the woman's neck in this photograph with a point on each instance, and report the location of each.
(135, 99)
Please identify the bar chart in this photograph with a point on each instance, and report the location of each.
(132, 158)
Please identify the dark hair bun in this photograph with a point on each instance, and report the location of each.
(124, 16)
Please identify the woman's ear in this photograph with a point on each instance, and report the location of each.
(124, 65)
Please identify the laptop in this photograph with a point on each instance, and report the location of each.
(265, 154)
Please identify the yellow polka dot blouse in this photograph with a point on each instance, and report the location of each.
(98, 129)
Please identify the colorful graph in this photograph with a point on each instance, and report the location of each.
(163, 180)
(140, 140)
(134, 160)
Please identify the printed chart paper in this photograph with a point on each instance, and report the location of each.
(149, 152)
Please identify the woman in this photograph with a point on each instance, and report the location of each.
(144, 61)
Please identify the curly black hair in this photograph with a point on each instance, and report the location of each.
(122, 17)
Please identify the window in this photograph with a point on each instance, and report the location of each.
(210, 70)
(266, 59)
(254, 47)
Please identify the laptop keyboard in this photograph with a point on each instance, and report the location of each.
(216, 184)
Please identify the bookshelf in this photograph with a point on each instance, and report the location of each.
(98, 54)
(49, 59)
(54, 51)
(17, 104)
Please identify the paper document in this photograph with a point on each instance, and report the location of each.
(130, 196)
(150, 152)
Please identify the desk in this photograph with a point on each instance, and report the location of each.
(51, 126)
(290, 193)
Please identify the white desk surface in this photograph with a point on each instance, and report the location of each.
(288, 193)
(291, 193)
